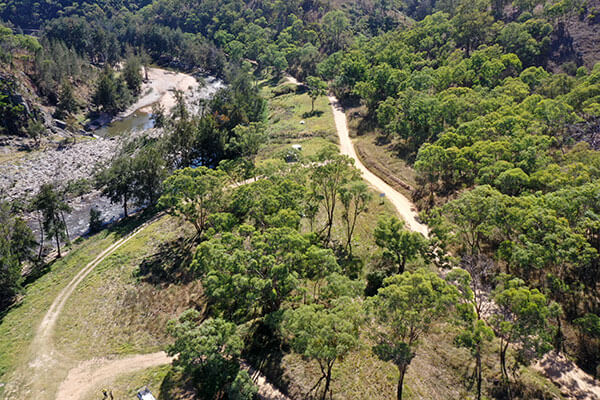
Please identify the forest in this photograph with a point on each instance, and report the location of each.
(287, 261)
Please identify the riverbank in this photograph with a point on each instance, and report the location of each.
(67, 160)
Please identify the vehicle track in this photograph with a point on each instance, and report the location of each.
(574, 383)
(87, 375)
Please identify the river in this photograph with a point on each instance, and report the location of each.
(22, 178)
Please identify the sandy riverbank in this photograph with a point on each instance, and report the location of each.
(160, 88)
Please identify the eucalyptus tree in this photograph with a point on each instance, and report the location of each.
(324, 335)
(49, 202)
(403, 310)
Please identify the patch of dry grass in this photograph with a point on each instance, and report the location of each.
(114, 313)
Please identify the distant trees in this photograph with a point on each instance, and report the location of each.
(132, 73)
(116, 182)
(35, 130)
(133, 177)
(67, 104)
(16, 246)
(111, 94)
(316, 89)
(335, 25)
(472, 24)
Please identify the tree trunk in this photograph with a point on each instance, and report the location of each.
(558, 338)
(41, 236)
(62, 215)
(327, 381)
(478, 366)
(125, 206)
(312, 108)
(503, 349)
(402, 265)
(57, 244)
(401, 382)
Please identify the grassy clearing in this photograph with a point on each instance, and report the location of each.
(286, 112)
(18, 326)
(112, 312)
(440, 371)
(126, 386)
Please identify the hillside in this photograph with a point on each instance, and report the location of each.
(305, 199)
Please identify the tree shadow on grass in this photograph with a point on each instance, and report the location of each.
(310, 114)
(264, 352)
(167, 264)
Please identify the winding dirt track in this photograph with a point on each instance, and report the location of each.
(404, 206)
(573, 382)
(92, 373)
(87, 375)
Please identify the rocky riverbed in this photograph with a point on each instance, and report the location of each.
(66, 159)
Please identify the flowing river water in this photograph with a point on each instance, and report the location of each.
(20, 179)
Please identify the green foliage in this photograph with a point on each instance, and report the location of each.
(96, 222)
(404, 309)
(116, 181)
(355, 198)
(208, 354)
(324, 334)
(328, 180)
(194, 194)
(35, 130)
(13, 117)
(67, 104)
(132, 73)
(249, 273)
(52, 206)
(134, 177)
(16, 246)
(399, 245)
(112, 94)
(475, 332)
(589, 324)
(316, 89)
(523, 319)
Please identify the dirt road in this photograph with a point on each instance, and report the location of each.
(404, 206)
(29, 381)
(574, 383)
(91, 374)
(32, 380)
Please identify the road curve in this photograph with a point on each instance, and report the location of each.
(92, 373)
(404, 206)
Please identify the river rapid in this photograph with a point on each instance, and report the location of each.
(60, 163)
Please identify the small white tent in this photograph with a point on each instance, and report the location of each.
(144, 394)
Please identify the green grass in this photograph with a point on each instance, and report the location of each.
(112, 312)
(18, 326)
(286, 112)
(126, 386)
